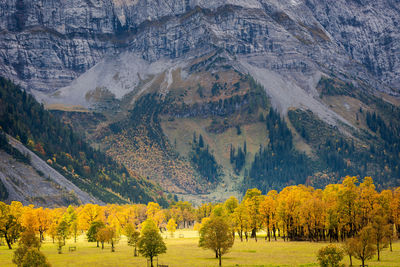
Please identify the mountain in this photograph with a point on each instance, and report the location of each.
(70, 166)
(31, 180)
(281, 92)
(46, 45)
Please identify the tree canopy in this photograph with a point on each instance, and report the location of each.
(216, 235)
(151, 243)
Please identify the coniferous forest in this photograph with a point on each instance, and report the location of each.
(204, 160)
(278, 163)
(22, 117)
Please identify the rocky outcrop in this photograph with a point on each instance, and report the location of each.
(44, 45)
(38, 183)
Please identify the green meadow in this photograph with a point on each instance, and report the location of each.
(183, 250)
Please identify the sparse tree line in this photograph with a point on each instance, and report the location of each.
(204, 161)
(352, 212)
(238, 159)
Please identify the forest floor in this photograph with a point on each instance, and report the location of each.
(183, 250)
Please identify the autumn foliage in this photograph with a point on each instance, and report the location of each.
(353, 212)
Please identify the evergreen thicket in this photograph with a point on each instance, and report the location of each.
(204, 160)
(278, 164)
(238, 159)
(388, 150)
(341, 155)
(22, 117)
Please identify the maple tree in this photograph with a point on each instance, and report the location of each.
(363, 245)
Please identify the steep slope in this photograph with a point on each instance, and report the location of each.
(37, 183)
(158, 129)
(152, 134)
(25, 119)
(48, 44)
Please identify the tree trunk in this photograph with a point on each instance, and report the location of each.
(151, 261)
(362, 262)
(220, 258)
(112, 246)
(97, 243)
(8, 241)
(377, 248)
(351, 260)
(310, 235)
(134, 253)
(216, 254)
(102, 245)
(254, 233)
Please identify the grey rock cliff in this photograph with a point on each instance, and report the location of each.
(45, 45)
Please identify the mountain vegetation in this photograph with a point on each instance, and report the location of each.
(371, 150)
(238, 159)
(22, 117)
(295, 148)
(138, 142)
(204, 160)
(279, 163)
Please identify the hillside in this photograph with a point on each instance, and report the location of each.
(253, 145)
(35, 182)
(57, 144)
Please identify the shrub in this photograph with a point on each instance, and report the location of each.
(330, 256)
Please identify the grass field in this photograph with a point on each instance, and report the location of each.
(185, 252)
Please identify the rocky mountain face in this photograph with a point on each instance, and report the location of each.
(47, 44)
(104, 55)
(37, 183)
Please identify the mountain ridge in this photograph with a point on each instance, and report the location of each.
(240, 27)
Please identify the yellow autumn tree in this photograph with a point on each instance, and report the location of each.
(88, 214)
(171, 227)
(268, 213)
